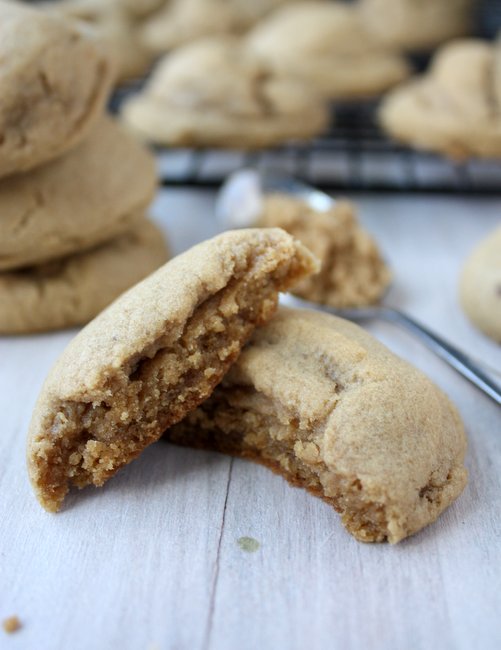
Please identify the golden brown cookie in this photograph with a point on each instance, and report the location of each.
(116, 24)
(324, 404)
(417, 24)
(72, 290)
(480, 286)
(86, 197)
(455, 108)
(54, 82)
(327, 45)
(154, 355)
(184, 21)
(211, 93)
(353, 273)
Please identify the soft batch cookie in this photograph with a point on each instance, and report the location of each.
(212, 93)
(353, 272)
(321, 402)
(327, 45)
(455, 108)
(72, 290)
(417, 25)
(183, 21)
(54, 82)
(480, 286)
(116, 24)
(154, 355)
(84, 198)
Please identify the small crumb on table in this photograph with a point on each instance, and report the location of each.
(248, 544)
(11, 624)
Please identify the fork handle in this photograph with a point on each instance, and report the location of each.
(446, 351)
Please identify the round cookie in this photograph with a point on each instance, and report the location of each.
(154, 355)
(183, 21)
(320, 401)
(480, 286)
(211, 93)
(84, 198)
(54, 82)
(327, 45)
(117, 27)
(417, 25)
(72, 290)
(455, 108)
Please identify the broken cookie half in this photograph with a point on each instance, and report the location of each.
(154, 355)
(323, 403)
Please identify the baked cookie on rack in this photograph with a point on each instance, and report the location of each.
(212, 93)
(54, 83)
(116, 24)
(352, 272)
(480, 286)
(154, 355)
(417, 25)
(183, 21)
(327, 45)
(321, 402)
(72, 290)
(93, 193)
(455, 108)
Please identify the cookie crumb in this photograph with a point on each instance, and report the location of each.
(11, 624)
(248, 544)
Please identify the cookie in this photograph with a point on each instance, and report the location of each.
(327, 45)
(455, 108)
(480, 286)
(417, 26)
(154, 355)
(183, 21)
(54, 82)
(115, 24)
(321, 402)
(211, 94)
(82, 199)
(72, 290)
(353, 273)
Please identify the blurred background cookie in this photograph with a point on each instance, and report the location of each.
(417, 25)
(213, 93)
(54, 83)
(480, 286)
(455, 108)
(327, 45)
(182, 21)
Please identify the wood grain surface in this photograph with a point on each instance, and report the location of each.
(153, 560)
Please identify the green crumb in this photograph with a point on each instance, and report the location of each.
(248, 544)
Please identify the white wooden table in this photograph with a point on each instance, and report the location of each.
(152, 560)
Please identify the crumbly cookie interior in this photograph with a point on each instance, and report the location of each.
(353, 272)
(89, 441)
(228, 423)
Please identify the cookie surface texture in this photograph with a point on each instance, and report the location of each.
(54, 82)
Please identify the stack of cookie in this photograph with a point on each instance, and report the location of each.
(74, 186)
